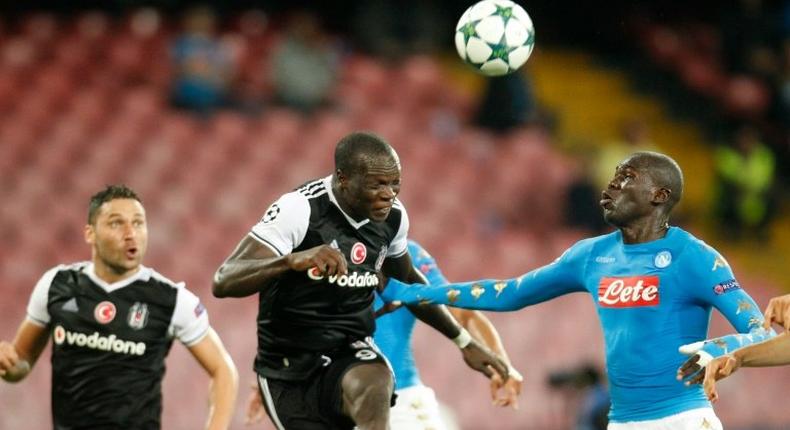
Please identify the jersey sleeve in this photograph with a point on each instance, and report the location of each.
(284, 225)
(400, 243)
(37, 306)
(716, 286)
(426, 264)
(190, 318)
(545, 283)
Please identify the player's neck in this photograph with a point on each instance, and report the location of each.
(341, 201)
(111, 275)
(642, 232)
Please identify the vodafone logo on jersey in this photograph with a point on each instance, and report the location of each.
(104, 312)
(358, 253)
(96, 341)
(628, 291)
(353, 279)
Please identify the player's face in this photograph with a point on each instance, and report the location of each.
(371, 195)
(119, 236)
(629, 195)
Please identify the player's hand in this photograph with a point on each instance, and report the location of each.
(697, 360)
(719, 368)
(778, 311)
(506, 393)
(388, 307)
(255, 411)
(483, 360)
(328, 260)
(8, 358)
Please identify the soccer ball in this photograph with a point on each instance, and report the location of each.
(495, 36)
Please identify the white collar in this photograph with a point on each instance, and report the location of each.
(143, 274)
(356, 224)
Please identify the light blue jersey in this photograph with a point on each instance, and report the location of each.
(651, 298)
(394, 330)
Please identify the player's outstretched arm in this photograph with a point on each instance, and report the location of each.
(719, 288)
(18, 357)
(216, 361)
(537, 286)
(475, 354)
(773, 352)
(252, 265)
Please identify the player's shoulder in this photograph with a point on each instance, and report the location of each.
(698, 254)
(78, 266)
(398, 206)
(311, 189)
(590, 244)
(417, 252)
(162, 280)
(691, 245)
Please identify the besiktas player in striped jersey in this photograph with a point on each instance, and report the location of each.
(653, 287)
(313, 259)
(112, 322)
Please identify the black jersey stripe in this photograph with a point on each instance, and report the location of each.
(312, 191)
(310, 185)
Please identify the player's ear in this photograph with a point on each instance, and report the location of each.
(90, 234)
(342, 178)
(661, 195)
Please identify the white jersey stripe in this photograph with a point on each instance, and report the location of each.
(267, 397)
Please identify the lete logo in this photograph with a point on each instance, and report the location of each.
(358, 253)
(628, 291)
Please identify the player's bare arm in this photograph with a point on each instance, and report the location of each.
(216, 361)
(252, 265)
(503, 392)
(476, 356)
(18, 357)
(774, 352)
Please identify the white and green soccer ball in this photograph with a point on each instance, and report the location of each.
(495, 36)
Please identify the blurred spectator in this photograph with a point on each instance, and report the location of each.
(746, 174)
(593, 408)
(508, 102)
(203, 66)
(395, 29)
(304, 64)
(581, 206)
(634, 137)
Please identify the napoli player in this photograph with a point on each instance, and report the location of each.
(653, 287)
(416, 407)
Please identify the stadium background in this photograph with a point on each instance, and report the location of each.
(86, 99)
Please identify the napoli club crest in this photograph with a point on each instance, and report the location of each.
(663, 259)
(138, 316)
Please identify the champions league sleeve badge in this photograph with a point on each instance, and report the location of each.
(138, 316)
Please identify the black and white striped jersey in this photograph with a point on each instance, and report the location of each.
(303, 313)
(110, 342)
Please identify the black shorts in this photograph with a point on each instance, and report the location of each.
(316, 403)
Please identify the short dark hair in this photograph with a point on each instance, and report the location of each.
(356, 149)
(665, 172)
(110, 192)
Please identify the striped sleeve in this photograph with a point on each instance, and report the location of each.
(284, 225)
(400, 243)
(37, 306)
